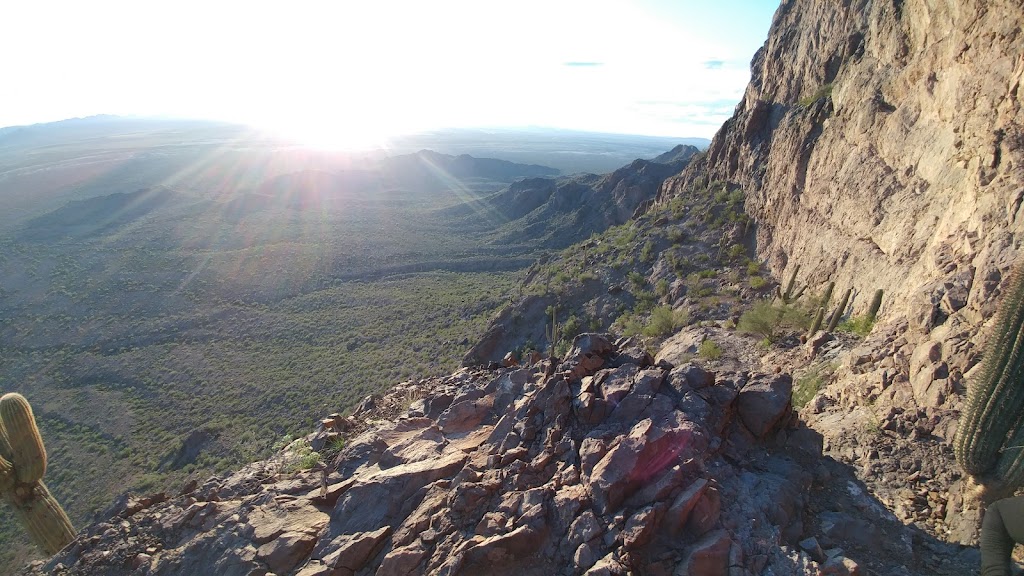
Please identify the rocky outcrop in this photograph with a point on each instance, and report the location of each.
(598, 469)
(879, 145)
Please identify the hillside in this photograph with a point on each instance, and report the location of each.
(184, 328)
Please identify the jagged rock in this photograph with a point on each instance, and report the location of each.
(641, 527)
(645, 452)
(350, 552)
(682, 346)
(764, 401)
(690, 376)
(705, 513)
(708, 557)
(607, 566)
(840, 566)
(679, 513)
(586, 527)
(285, 551)
(383, 495)
(666, 482)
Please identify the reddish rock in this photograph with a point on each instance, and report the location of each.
(649, 449)
(708, 557)
(641, 527)
(679, 512)
(464, 416)
(403, 561)
(285, 551)
(521, 542)
(353, 551)
(705, 514)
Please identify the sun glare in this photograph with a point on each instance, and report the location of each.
(329, 134)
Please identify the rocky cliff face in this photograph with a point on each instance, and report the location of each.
(879, 145)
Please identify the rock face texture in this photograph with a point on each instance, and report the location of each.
(881, 145)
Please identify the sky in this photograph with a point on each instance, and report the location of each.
(344, 73)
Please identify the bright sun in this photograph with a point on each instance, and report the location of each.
(348, 134)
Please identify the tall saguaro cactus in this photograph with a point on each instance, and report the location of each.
(22, 465)
(995, 399)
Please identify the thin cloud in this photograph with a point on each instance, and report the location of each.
(583, 64)
(713, 64)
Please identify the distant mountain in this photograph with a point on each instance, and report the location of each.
(559, 212)
(681, 153)
(430, 164)
(571, 151)
(99, 215)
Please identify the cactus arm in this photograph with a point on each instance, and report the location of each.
(838, 314)
(799, 293)
(27, 451)
(6, 475)
(996, 398)
(43, 518)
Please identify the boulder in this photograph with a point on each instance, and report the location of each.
(764, 401)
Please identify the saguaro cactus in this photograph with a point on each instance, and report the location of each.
(816, 323)
(876, 303)
(996, 397)
(827, 296)
(838, 314)
(22, 465)
(787, 296)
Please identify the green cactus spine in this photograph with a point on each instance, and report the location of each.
(6, 475)
(833, 321)
(816, 323)
(43, 518)
(22, 464)
(876, 303)
(995, 398)
(23, 438)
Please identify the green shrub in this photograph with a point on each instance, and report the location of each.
(664, 321)
(810, 382)
(709, 350)
(824, 91)
(757, 282)
(570, 328)
(645, 300)
(628, 325)
(753, 267)
(661, 288)
(859, 325)
(767, 319)
(647, 252)
(636, 279)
